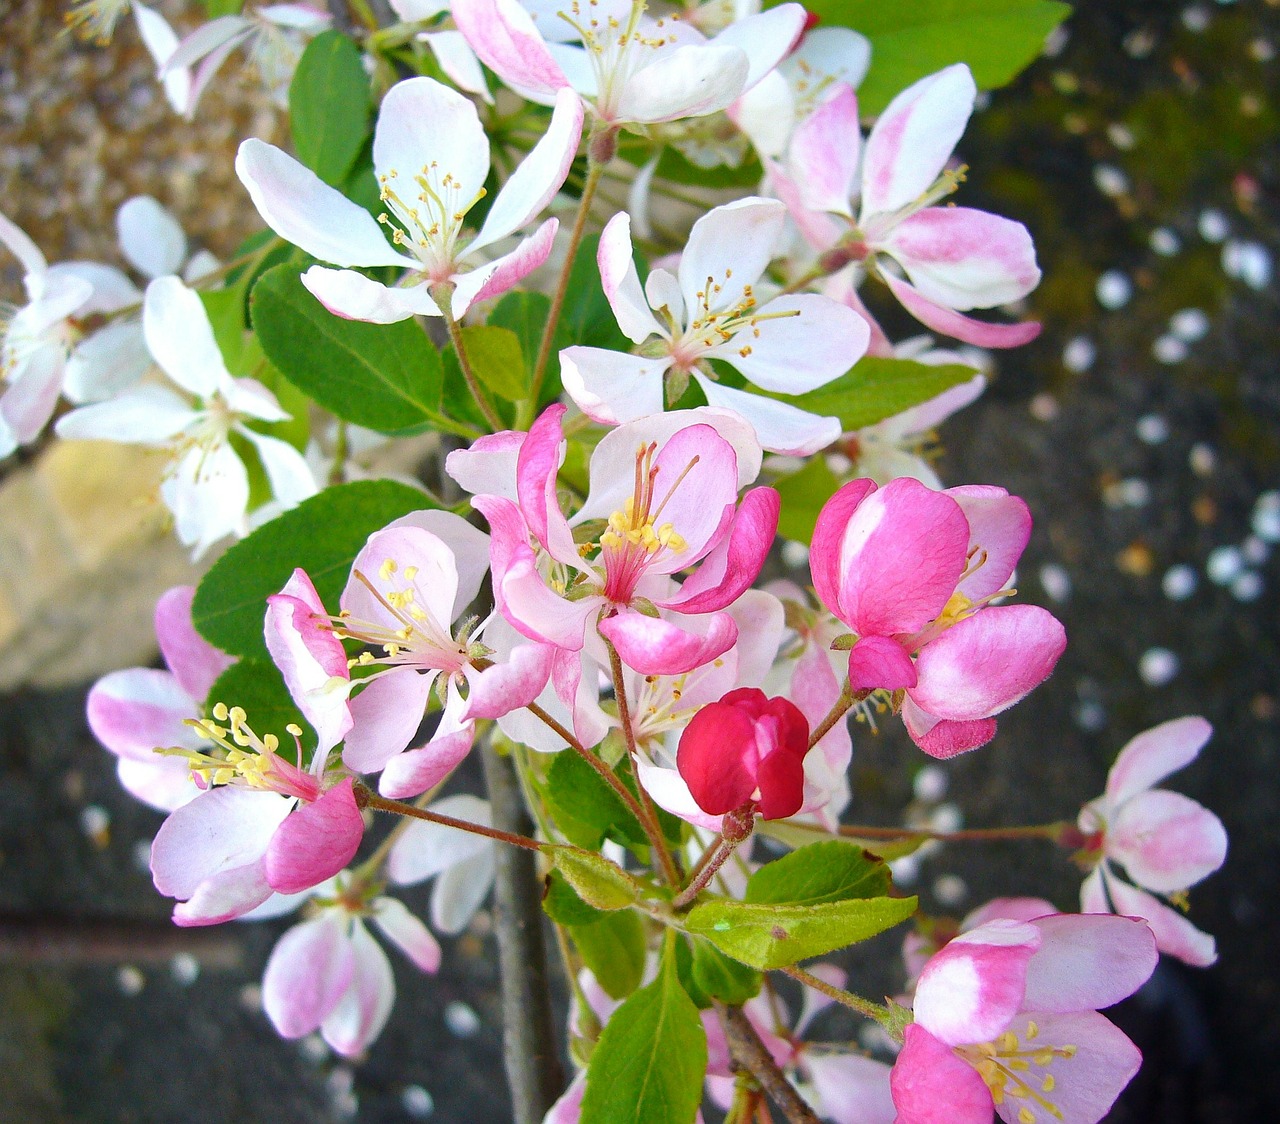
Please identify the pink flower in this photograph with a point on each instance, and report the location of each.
(329, 974)
(710, 310)
(133, 712)
(912, 571)
(666, 491)
(629, 68)
(746, 752)
(1006, 1021)
(431, 156)
(955, 258)
(262, 825)
(1165, 841)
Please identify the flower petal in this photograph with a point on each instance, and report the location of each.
(1175, 935)
(353, 296)
(728, 250)
(425, 849)
(149, 415)
(385, 717)
(1087, 961)
(1154, 754)
(828, 535)
(195, 663)
(151, 239)
(657, 647)
(611, 387)
(1166, 841)
(411, 773)
(307, 973)
(180, 337)
(952, 323)
(880, 663)
(315, 842)
(407, 931)
(505, 38)
(621, 283)
(690, 81)
(999, 527)
(135, 711)
(779, 426)
(714, 758)
(825, 153)
(931, 1085)
(365, 1006)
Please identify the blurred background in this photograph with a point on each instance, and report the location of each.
(1143, 428)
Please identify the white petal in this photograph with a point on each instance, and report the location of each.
(781, 428)
(458, 61)
(425, 849)
(765, 38)
(306, 211)
(151, 239)
(106, 363)
(291, 478)
(621, 282)
(688, 82)
(459, 892)
(354, 296)
(728, 249)
(21, 246)
(612, 387)
(425, 125)
(149, 415)
(180, 337)
(207, 491)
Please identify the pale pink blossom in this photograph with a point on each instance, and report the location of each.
(628, 67)
(449, 46)
(1006, 1022)
(710, 310)
(954, 258)
(1164, 841)
(206, 486)
(431, 156)
(912, 572)
(666, 489)
(138, 710)
(327, 973)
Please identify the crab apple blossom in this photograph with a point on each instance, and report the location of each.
(133, 711)
(628, 67)
(273, 36)
(1007, 1022)
(327, 973)
(206, 486)
(262, 825)
(710, 310)
(912, 572)
(431, 156)
(664, 495)
(746, 751)
(449, 46)
(955, 258)
(1165, 841)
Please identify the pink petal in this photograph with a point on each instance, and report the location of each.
(411, 773)
(308, 971)
(224, 896)
(315, 842)
(1166, 841)
(914, 138)
(944, 739)
(779, 426)
(797, 353)
(851, 1089)
(488, 466)
(539, 176)
(506, 40)
(385, 716)
(611, 387)
(503, 273)
(952, 323)
(222, 829)
(510, 684)
(817, 228)
(1012, 909)
(902, 553)
(536, 469)
(1085, 1084)
(568, 1109)
(714, 758)
(824, 155)
(657, 647)
(999, 528)
(365, 1006)
(961, 258)
(136, 711)
(1088, 961)
(306, 211)
(970, 991)
(828, 535)
(423, 563)
(880, 663)
(931, 1085)
(353, 296)
(407, 931)
(1154, 754)
(621, 282)
(987, 662)
(1175, 935)
(728, 571)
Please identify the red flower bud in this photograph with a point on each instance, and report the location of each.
(747, 750)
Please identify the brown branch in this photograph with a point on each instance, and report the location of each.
(750, 1053)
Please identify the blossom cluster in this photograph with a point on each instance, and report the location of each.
(583, 591)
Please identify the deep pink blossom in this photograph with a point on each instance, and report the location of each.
(1165, 841)
(1006, 1021)
(912, 572)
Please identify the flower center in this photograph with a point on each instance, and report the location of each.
(711, 326)
(242, 757)
(95, 20)
(1006, 1065)
(430, 221)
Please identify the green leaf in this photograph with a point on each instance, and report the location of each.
(497, 360)
(587, 318)
(829, 871)
(526, 314)
(877, 389)
(330, 106)
(322, 535)
(258, 687)
(383, 376)
(651, 1058)
(997, 38)
(585, 808)
(561, 903)
(614, 948)
(597, 881)
(803, 494)
(773, 936)
(719, 977)
(215, 8)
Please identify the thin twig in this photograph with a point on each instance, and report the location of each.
(839, 710)
(750, 1053)
(704, 872)
(845, 998)
(468, 373)
(367, 798)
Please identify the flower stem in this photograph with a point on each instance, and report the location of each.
(750, 1053)
(464, 361)
(714, 858)
(594, 170)
(650, 820)
(1049, 831)
(847, 998)
(367, 798)
(839, 710)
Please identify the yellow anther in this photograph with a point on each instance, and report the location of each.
(1032, 1030)
(410, 572)
(220, 711)
(294, 729)
(387, 568)
(1007, 1042)
(1044, 1058)
(1026, 1116)
(1048, 1084)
